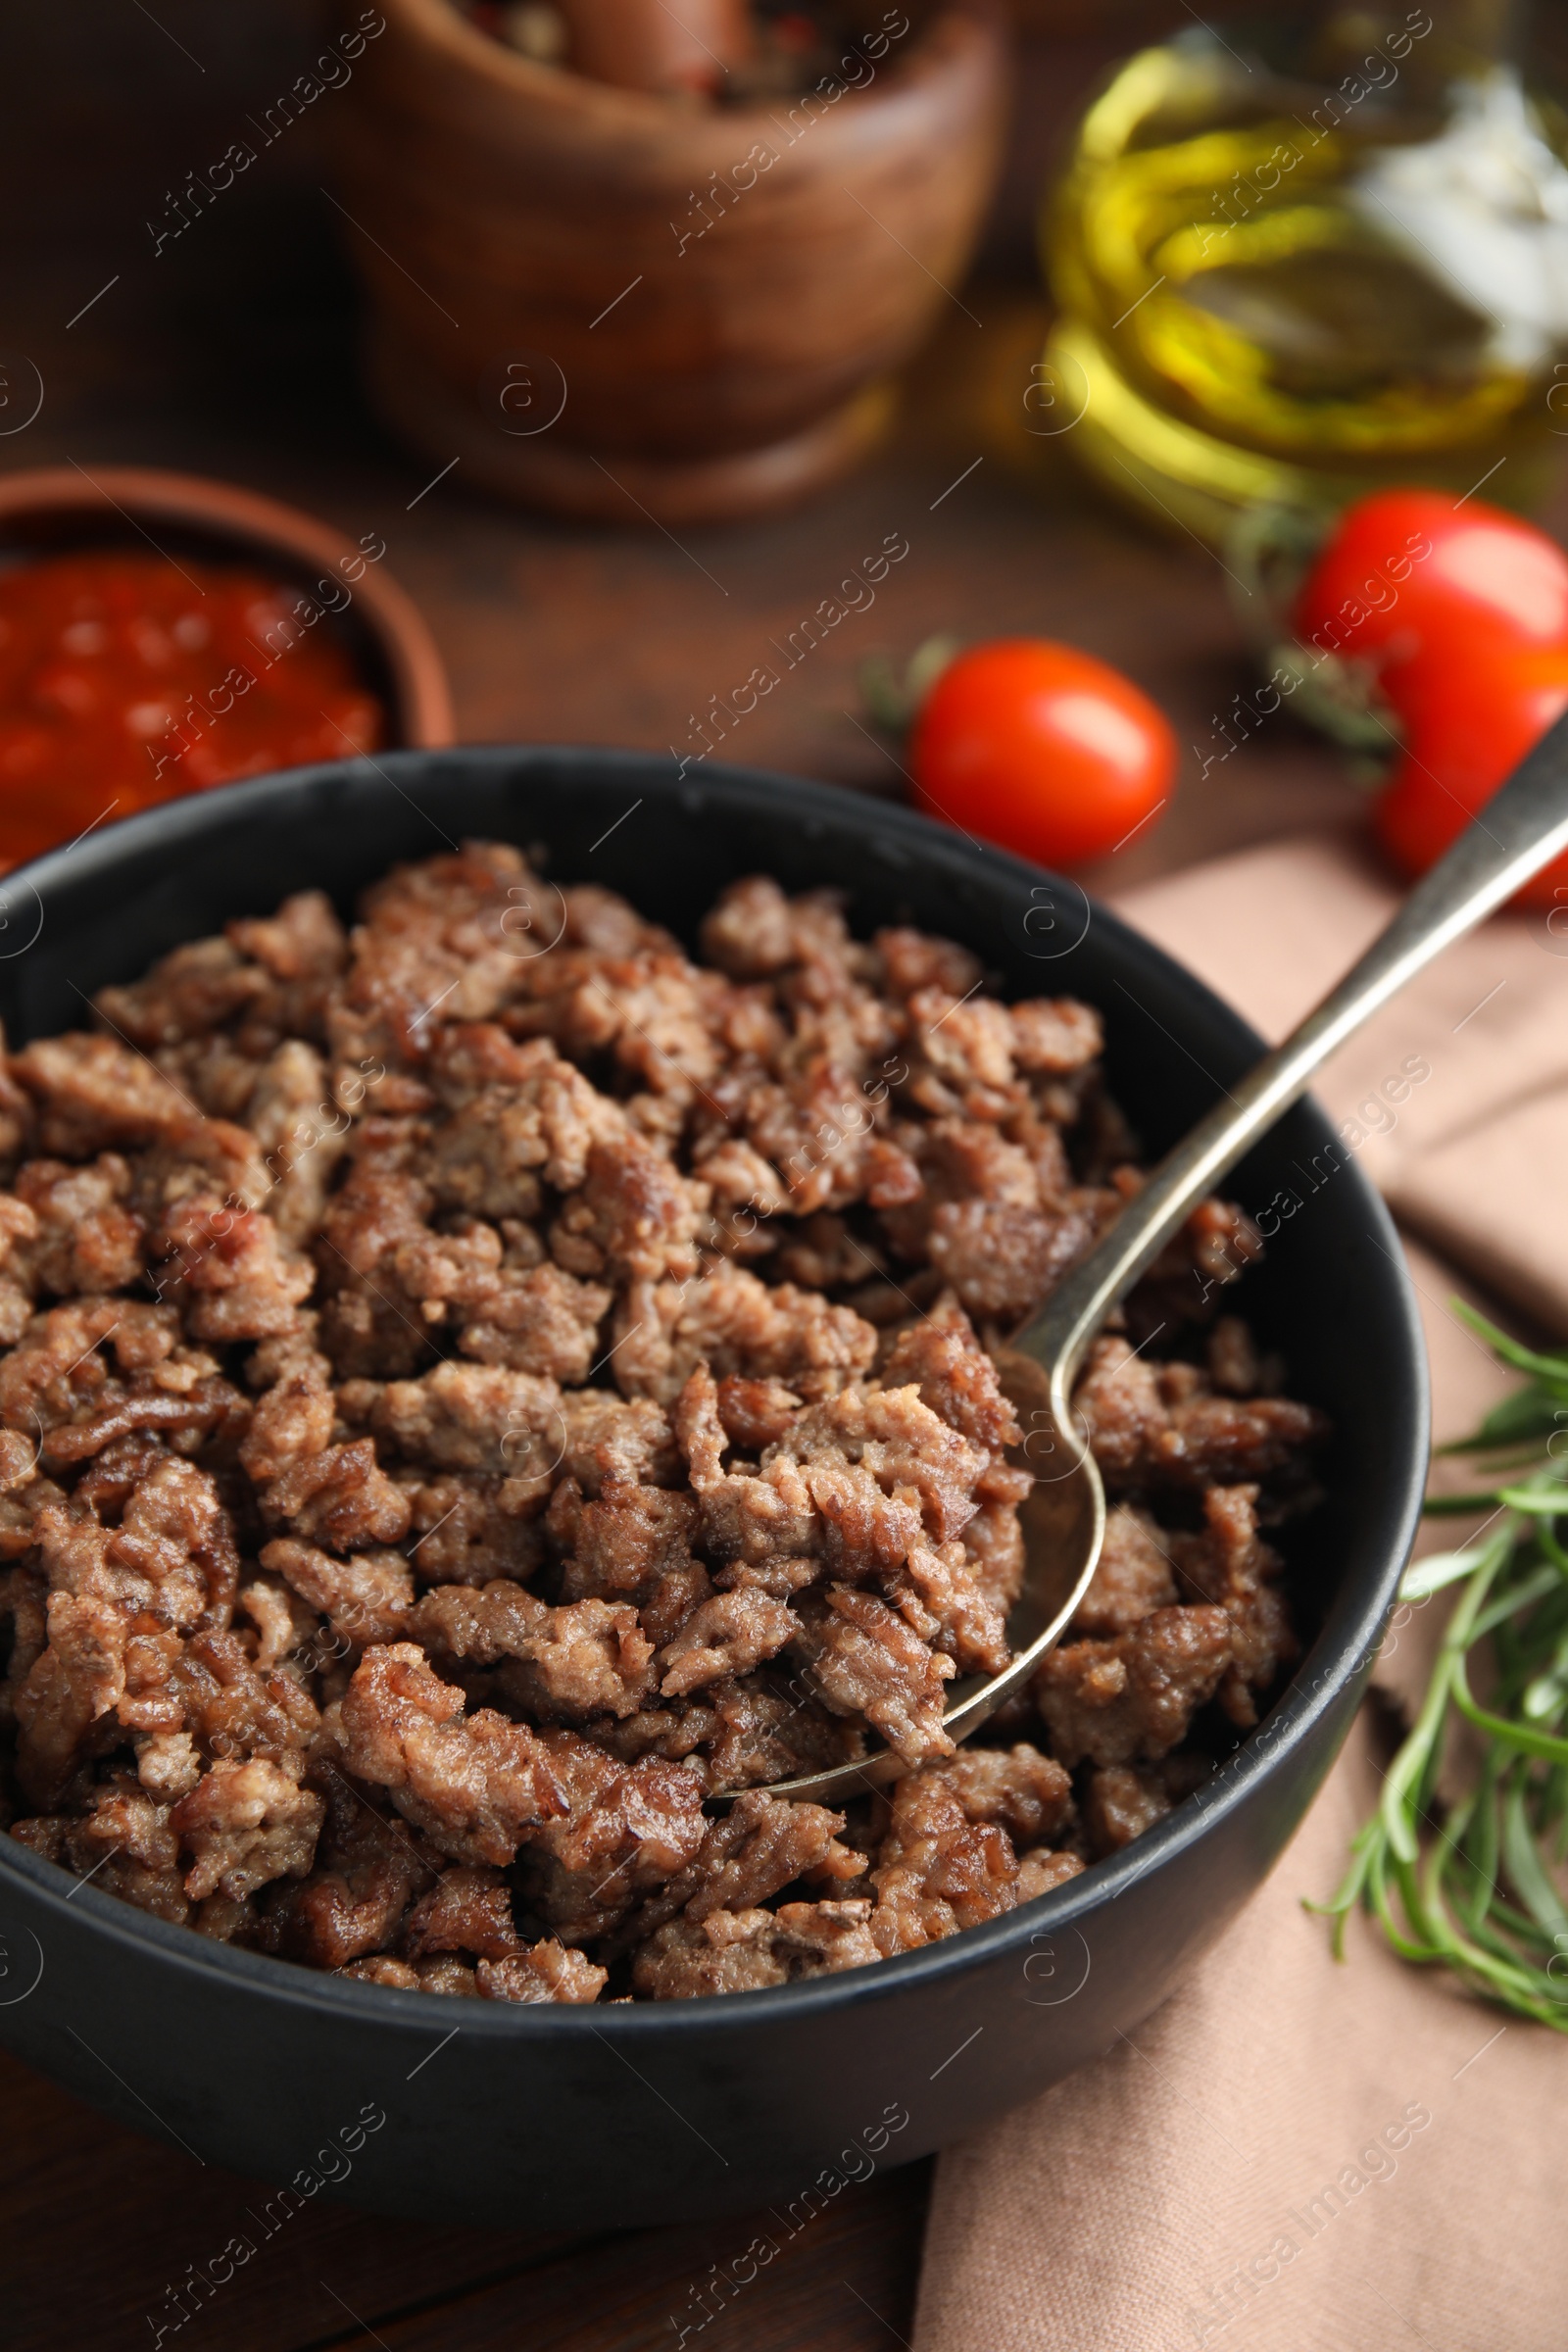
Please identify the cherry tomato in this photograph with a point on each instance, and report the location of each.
(1461, 612)
(1416, 579)
(1466, 730)
(1041, 748)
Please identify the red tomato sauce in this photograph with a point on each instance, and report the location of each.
(129, 678)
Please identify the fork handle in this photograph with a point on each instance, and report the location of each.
(1521, 829)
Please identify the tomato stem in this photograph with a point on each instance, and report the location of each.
(890, 697)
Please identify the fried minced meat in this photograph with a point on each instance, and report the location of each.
(477, 1385)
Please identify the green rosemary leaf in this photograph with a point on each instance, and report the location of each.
(1504, 1609)
(1528, 1413)
(1439, 1569)
(1531, 1879)
(1542, 1497)
(1476, 1883)
(1553, 1370)
(1505, 1731)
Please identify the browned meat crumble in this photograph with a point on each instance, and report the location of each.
(465, 1401)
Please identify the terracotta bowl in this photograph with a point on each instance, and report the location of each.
(604, 302)
(50, 508)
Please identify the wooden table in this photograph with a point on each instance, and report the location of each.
(234, 357)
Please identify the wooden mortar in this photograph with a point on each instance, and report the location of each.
(605, 303)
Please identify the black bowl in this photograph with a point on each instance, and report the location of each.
(563, 2116)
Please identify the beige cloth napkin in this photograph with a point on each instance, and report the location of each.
(1171, 2194)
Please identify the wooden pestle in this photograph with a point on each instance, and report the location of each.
(672, 46)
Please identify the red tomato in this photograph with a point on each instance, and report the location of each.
(1465, 731)
(1416, 578)
(1041, 748)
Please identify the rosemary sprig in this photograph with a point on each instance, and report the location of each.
(1478, 1885)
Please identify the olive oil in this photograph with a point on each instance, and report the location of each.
(1293, 264)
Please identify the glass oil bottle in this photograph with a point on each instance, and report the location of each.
(1299, 259)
